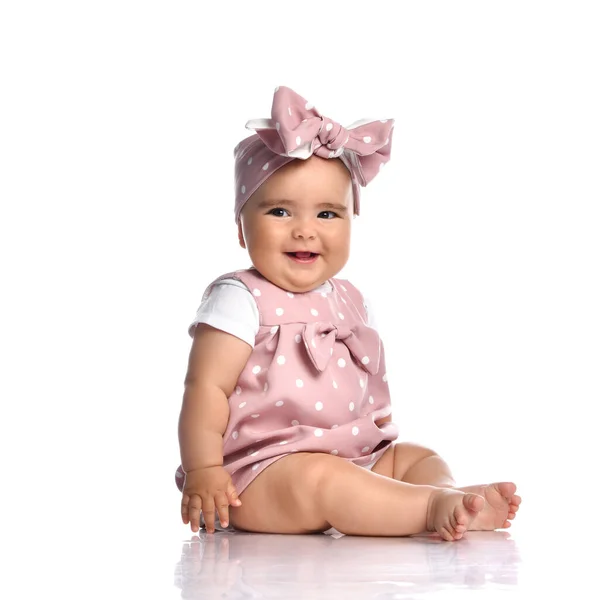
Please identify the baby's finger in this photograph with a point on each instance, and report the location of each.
(208, 511)
(194, 508)
(232, 495)
(185, 514)
(222, 505)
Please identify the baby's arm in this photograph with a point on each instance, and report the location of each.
(215, 363)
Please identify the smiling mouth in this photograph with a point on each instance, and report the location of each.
(303, 257)
(302, 254)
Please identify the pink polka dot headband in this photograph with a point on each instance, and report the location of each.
(295, 130)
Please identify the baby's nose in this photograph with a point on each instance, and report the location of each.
(304, 230)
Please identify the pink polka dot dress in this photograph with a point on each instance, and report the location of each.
(315, 382)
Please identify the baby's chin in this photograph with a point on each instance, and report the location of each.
(295, 277)
(297, 286)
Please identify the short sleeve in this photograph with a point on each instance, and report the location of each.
(229, 307)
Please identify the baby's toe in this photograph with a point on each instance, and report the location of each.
(461, 518)
(507, 490)
(473, 502)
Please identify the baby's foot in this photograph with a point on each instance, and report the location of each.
(501, 505)
(452, 512)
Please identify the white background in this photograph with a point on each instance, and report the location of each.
(478, 244)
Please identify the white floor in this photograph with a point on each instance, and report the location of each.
(256, 566)
(538, 558)
(483, 565)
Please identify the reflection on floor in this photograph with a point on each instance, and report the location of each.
(243, 565)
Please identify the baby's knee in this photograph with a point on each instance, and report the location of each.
(313, 470)
(309, 479)
(416, 451)
(285, 497)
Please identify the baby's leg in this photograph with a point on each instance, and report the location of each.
(306, 493)
(416, 464)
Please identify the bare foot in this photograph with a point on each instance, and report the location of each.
(500, 508)
(452, 512)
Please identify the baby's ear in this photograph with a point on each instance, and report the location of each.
(241, 235)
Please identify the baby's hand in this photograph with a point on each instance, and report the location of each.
(204, 491)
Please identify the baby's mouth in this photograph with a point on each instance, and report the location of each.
(306, 257)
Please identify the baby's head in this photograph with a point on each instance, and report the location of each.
(296, 225)
(297, 189)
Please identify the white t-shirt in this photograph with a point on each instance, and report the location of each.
(231, 307)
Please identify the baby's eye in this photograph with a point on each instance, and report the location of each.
(327, 214)
(278, 212)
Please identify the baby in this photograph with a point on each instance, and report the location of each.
(286, 422)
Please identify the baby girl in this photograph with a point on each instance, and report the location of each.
(286, 423)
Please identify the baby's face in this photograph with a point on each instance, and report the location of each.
(304, 207)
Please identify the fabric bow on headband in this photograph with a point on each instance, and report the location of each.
(297, 130)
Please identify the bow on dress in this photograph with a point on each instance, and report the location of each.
(320, 337)
(298, 130)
